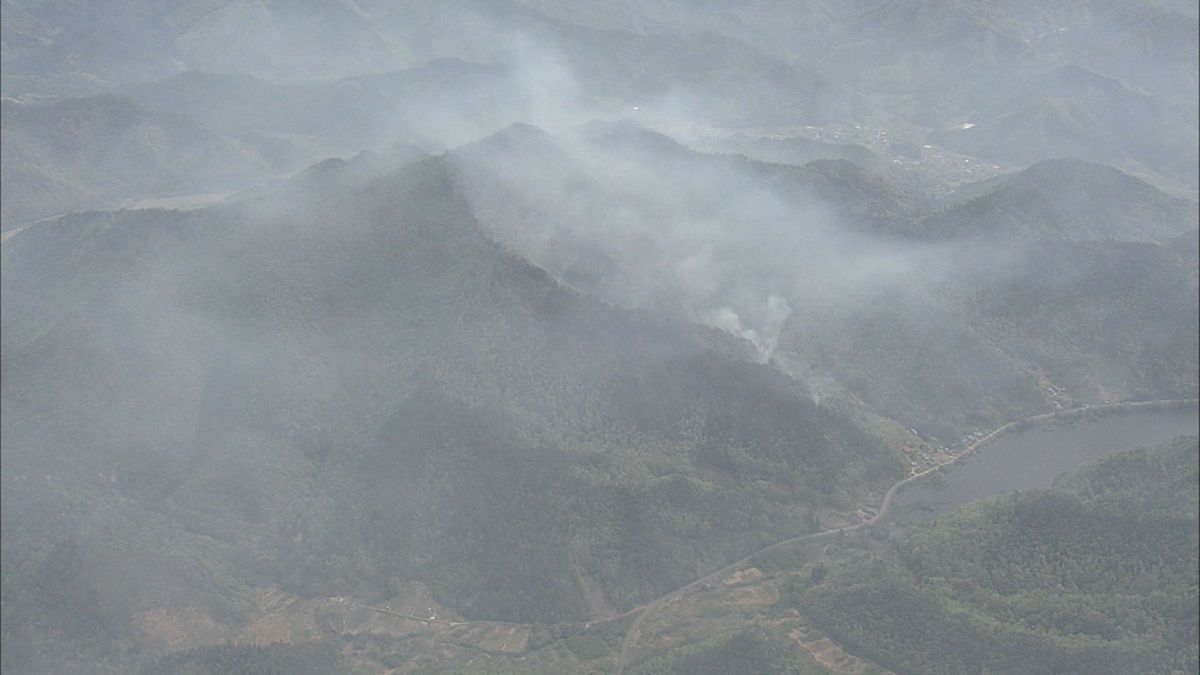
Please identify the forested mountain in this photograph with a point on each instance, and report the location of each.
(750, 652)
(1126, 133)
(205, 133)
(1065, 199)
(251, 660)
(295, 43)
(1097, 575)
(443, 102)
(386, 399)
(942, 317)
(474, 336)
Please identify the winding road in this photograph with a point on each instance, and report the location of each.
(649, 608)
(646, 610)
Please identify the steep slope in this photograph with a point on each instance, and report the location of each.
(1129, 132)
(337, 391)
(1097, 575)
(995, 327)
(906, 354)
(840, 280)
(1065, 199)
(204, 133)
(688, 223)
(1109, 320)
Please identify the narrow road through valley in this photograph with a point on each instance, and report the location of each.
(649, 608)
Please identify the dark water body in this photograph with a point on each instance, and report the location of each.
(1035, 457)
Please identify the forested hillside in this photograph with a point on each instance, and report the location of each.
(945, 318)
(754, 651)
(536, 336)
(1097, 575)
(437, 410)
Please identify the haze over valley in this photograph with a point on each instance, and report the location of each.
(546, 336)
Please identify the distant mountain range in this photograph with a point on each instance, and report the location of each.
(321, 319)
